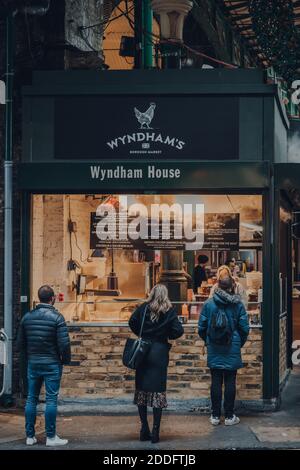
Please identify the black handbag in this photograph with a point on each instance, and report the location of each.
(135, 350)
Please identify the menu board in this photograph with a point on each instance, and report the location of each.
(156, 235)
(222, 231)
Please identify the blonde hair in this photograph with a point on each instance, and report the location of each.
(226, 268)
(159, 301)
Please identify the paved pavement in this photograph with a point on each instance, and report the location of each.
(179, 431)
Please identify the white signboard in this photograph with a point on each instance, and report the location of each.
(2, 92)
(2, 353)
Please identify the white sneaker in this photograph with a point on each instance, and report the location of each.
(232, 421)
(214, 420)
(30, 441)
(56, 441)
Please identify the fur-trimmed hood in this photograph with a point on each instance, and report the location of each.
(222, 297)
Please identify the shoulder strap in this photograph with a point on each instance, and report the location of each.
(143, 320)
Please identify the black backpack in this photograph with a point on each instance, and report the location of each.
(221, 326)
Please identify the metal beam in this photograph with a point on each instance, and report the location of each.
(241, 29)
(242, 17)
(237, 6)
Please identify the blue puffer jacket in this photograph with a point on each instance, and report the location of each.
(224, 356)
(43, 336)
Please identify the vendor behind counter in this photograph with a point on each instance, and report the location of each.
(200, 274)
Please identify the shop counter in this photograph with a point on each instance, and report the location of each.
(97, 371)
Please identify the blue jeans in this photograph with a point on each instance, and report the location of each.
(37, 374)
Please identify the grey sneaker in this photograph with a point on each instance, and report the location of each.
(214, 420)
(56, 441)
(232, 421)
(30, 441)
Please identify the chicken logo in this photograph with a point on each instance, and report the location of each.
(145, 142)
(146, 117)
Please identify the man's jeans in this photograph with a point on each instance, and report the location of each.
(37, 374)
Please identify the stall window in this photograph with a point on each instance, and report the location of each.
(103, 280)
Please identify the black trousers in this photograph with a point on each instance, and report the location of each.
(218, 376)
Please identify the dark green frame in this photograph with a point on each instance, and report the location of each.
(31, 179)
(75, 176)
(253, 173)
(25, 273)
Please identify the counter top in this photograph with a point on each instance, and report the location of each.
(125, 325)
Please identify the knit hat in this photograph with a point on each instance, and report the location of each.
(226, 283)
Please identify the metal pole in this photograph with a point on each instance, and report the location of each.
(148, 39)
(8, 205)
(138, 34)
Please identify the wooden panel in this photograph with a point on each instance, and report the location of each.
(296, 319)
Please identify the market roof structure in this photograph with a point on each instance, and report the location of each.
(272, 29)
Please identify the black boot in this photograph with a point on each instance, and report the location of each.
(145, 431)
(145, 434)
(157, 412)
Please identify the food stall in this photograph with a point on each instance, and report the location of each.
(83, 146)
(99, 282)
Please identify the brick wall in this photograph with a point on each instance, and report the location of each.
(47, 242)
(282, 348)
(37, 247)
(97, 369)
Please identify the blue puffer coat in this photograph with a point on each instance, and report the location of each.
(224, 356)
(43, 336)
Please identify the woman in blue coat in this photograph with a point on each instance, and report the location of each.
(224, 352)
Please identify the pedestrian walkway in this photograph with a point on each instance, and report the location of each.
(12, 426)
(184, 431)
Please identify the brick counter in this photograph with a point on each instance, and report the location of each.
(97, 371)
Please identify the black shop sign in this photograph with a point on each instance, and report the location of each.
(151, 127)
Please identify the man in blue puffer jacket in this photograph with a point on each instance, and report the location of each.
(224, 359)
(43, 337)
